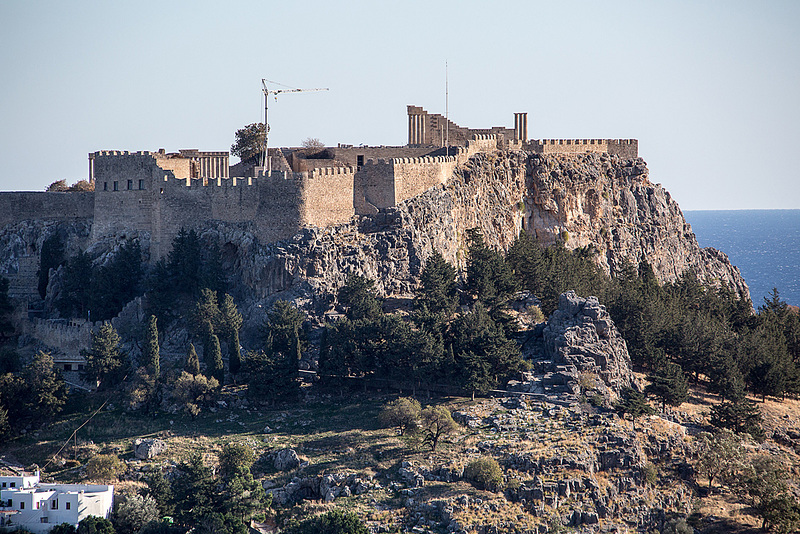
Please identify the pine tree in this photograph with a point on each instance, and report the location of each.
(669, 384)
(437, 293)
(635, 404)
(357, 296)
(105, 361)
(739, 414)
(489, 277)
(192, 361)
(151, 353)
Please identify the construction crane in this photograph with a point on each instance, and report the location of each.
(267, 161)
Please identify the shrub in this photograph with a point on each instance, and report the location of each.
(650, 473)
(104, 467)
(484, 473)
(333, 522)
(401, 413)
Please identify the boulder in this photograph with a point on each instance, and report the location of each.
(286, 459)
(146, 449)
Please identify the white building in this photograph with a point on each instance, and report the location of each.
(26, 502)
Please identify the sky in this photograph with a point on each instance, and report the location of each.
(710, 88)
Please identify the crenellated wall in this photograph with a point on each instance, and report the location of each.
(627, 148)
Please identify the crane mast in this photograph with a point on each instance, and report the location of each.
(267, 161)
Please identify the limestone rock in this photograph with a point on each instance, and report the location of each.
(286, 460)
(146, 449)
(581, 338)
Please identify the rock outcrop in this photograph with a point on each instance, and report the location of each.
(578, 351)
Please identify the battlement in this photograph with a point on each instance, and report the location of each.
(623, 147)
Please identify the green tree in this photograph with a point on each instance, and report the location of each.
(357, 296)
(95, 525)
(271, 376)
(489, 278)
(117, 282)
(764, 482)
(192, 361)
(720, 455)
(64, 528)
(332, 522)
(231, 321)
(739, 414)
(104, 467)
(235, 458)
(283, 329)
(437, 293)
(402, 413)
(485, 473)
(214, 360)
(75, 295)
(634, 404)
(47, 391)
(242, 495)
(669, 384)
(194, 490)
(151, 352)
(485, 356)
(249, 142)
(435, 423)
(134, 511)
(190, 392)
(51, 256)
(159, 489)
(106, 364)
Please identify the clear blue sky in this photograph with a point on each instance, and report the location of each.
(710, 88)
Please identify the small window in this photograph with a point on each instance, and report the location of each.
(44, 520)
(130, 185)
(67, 506)
(54, 506)
(68, 367)
(162, 190)
(141, 185)
(21, 505)
(37, 505)
(10, 503)
(116, 185)
(105, 186)
(13, 484)
(360, 160)
(4, 484)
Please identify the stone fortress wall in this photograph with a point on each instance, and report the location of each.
(159, 193)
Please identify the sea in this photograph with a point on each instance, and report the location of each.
(763, 244)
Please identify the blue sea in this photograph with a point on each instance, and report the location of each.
(763, 244)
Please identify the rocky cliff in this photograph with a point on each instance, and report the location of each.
(589, 200)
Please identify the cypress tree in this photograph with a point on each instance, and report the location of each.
(217, 368)
(231, 321)
(192, 362)
(152, 357)
(234, 356)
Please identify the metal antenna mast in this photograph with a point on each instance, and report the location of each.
(447, 106)
(266, 160)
